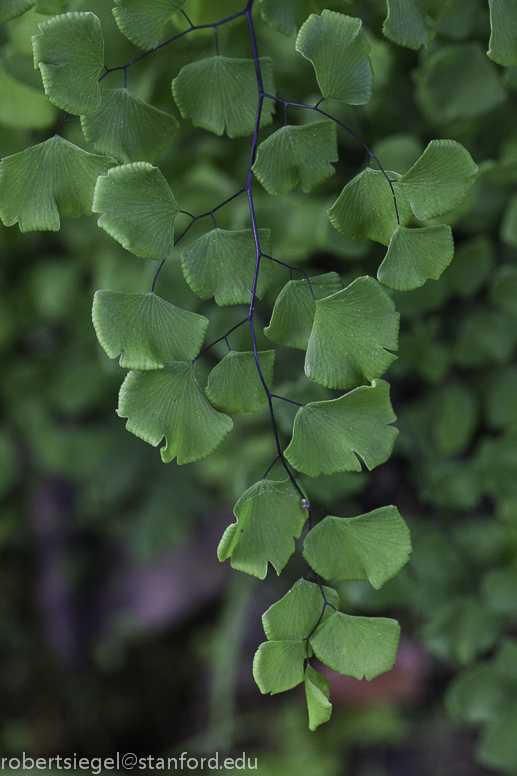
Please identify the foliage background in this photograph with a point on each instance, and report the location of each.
(119, 628)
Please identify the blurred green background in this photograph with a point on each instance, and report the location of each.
(119, 629)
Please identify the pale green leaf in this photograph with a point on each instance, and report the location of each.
(366, 207)
(414, 255)
(278, 665)
(339, 51)
(405, 24)
(169, 403)
(298, 612)
(269, 515)
(234, 384)
(297, 154)
(128, 128)
(317, 691)
(22, 106)
(351, 332)
(46, 181)
(70, 55)
(138, 209)
(374, 546)
(146, 331)
(328, 436)
(12, 8)
(49, 6)
(439, 179)
(222, 264)
(143, 22)
(503, 37)
(221, 93)
(357, 646)
(293, 313)
(457, 82)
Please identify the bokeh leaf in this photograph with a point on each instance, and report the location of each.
(357, 646)
(12, 8)
(70, 55)
(22, 106)
(328, 436)
(405, 24)
(502, 47)
(138, 209)
(221, 93)
(269, 515)
(46, 181)
(128, 128)
(298, 612)
(297, 154)
(222, 264)
(366, 207)
(169, 403)
(293, 313)
(439, 179)
(234, 384)
(339, 51)
(374, 546)
(143, 22)
(361, 323)
(278, 665)
(414, 255)
(146, 331)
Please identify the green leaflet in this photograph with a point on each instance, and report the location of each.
(22, 106)
(138, 209)
(12, 8)
(49, 6)
(360, 321)
(456, 419)
(439, 179)
(328, 436)
(46, 181)
(503, 290)
(128, 128)
(146, 331)
(281, 16)
(374, 546)
(234, 384)
(297, 613)
(405, 24)
(169, 403)
(222, 264)
(278, 665)
(503, 37)
(366, 207)
(70, 55)
(414, 255)
(143, 22)
(461, 630)
(297, 154)
(357, 646)
(338, 49)
(220, 93)
(457, 82)
(269, 515)
(293, 313)
(317, 691)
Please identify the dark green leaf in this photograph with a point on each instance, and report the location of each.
(146, 331)
(405, 24)
(374, 546)
(221, 93)
(46, 181)
(503, 38)
(361, 323)
(278, 665)
(169, 403)
(138, 209)
(269, 515)
(298, 612)
(70, 55)
(143, 22)
(414, 255)
(293, 313)
(234, 384)
(222, 264)
(127, 128)
(339, 51)
(357, 646)
(297, 154)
